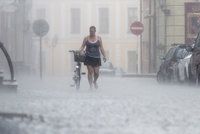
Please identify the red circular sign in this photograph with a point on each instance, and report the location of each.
(137, 28)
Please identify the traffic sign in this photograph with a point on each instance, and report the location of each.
(40, 27)
(137, 28)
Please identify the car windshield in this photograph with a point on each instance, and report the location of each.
(170, 53)
(181, 53)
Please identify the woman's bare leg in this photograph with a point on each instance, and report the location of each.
(96, 76)
(90, 75)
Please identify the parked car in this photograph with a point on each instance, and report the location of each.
(107, 69)
(168, 70)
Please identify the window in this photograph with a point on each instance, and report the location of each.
(75, 20)
(41, 13)
(132, 16)
(103, 20)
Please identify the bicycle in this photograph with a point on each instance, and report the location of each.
(78, 58)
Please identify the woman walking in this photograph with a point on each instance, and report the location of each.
(92, 44)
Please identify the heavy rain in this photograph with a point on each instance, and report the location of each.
(99, 66)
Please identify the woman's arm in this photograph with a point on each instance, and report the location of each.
(83, 45)
(102, 49)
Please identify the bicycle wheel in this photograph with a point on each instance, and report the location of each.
(78, 79)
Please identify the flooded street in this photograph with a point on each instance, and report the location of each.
(120, 105)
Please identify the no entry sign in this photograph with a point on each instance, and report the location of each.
(137, 28)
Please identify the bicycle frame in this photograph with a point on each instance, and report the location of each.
(77, 75)
(77, 72)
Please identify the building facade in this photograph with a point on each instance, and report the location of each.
(15, 34)
(166, 22)
(69, 23)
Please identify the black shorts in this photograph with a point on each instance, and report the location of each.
(95, 62)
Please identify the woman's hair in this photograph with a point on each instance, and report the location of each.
(92, 27)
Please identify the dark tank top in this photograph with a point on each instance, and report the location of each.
(92, 49)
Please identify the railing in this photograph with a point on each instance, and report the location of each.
(8, 60)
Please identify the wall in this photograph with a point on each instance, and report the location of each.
(118, 42)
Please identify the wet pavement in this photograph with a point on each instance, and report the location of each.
(119, 106)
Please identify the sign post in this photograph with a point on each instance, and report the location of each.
(137, 28)
(40, 28)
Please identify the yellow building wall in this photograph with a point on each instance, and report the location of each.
(176, 21)
(58, 60)
(170, 28)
